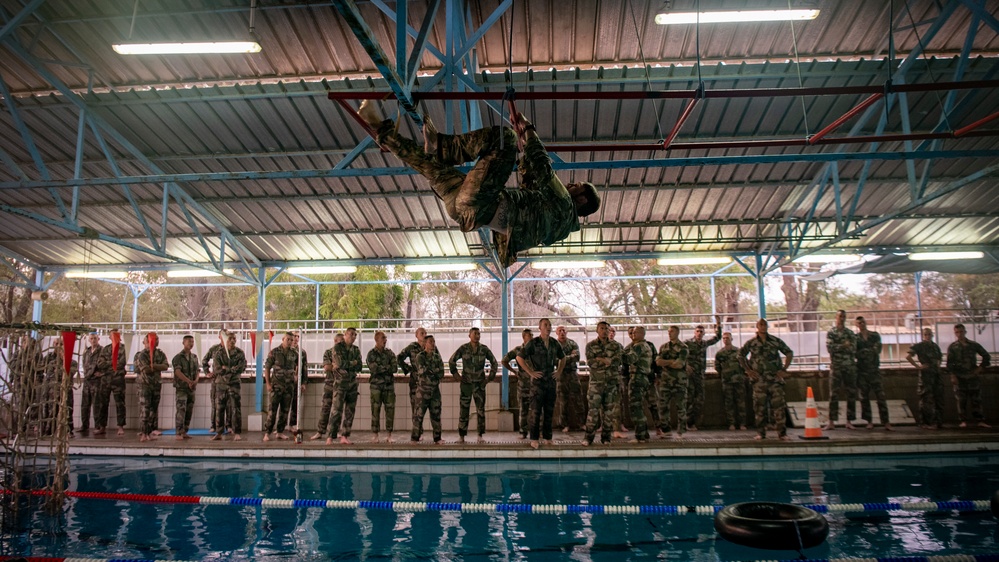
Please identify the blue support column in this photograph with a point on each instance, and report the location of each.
(714, 305)
(137, 291)
(317, 305)
(261, 296)
(919, 298)
(505, 323)
(36, 306)
(760, 288)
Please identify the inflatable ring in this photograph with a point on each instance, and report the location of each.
(774, 526)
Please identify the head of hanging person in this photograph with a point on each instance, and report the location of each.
(585, 197)
(152, 340)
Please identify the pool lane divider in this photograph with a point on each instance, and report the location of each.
(934, 558)
(977, 505)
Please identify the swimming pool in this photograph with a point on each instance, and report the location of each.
(109, 529)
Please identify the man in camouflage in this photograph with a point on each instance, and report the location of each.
(409, 353)
(638, 357)
(55, 386)
(344, 362)
(603, 356)
(473, 379)
(965, 376)
(570, 393)
(869, 383)
(113, 360)
(208, 369)
(697, 360)
(303, 379)
(652, 396)
(228, 366)
(541, 212)
(93, 380)
(149, 365)
(841, 343)
(185, 384)
(672, 358)
(27, 373)
(281, 374)
(382, 365)
(523, 383)
(930, 387)
(761, 359)
(733, 378)
(543, 360)
(429, 369)
(329, 387)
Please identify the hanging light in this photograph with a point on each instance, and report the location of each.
(187, 273)
(706, 260)
(828, 258)
(440, 267)
(735, 16)
(592, 264)
(322, 269)
(193, 48)
(927, 256)
(80, 274)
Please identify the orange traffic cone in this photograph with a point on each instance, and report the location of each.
(812, 428)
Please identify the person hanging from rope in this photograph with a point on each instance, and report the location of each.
(542, 212)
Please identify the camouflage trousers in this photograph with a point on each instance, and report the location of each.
(293, 414)
(228, 406)
(219, 426)
(339, 403)
(91, 400)
(52, 389)
(734, 395)
(149, 406)
(695, 398)
(769, 391)
(472, 391)
(968, 395)
(931, 397)
(638, 391)
(542, 407)
(570, 401)
(870, 387)
(842, 385)
(672, 390)
(185, 408)
(524, 399)
(114, 387)
(427, 398)
(603, 410)
(279, 404)
(382, 395)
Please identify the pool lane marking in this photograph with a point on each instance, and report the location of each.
(933, 558)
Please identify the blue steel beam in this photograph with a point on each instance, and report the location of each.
(81, 129)
(19, 18)
(978, 9)
(390, 13)
(401, 28)
(8, 161)
(421, 43)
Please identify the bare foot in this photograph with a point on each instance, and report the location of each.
(152, 437)
(984, 425)
(731, 428)
(742, 428)
(375, 438)
(267, 436)
(523, 436)
(962, 425)
(691, 428)
(186, 436)
(316, 436)
(414, 441)
(849, 425)
(679, 435)
(784, 437)
(179, 437)
(369, 113)
(461, 439)
(758, 437)
(121, 431)
(535, 444)
(329, 440)
(100, 431)
(345, 441)
(546, 441)
(888, 427)
(565, 430)
(216, 437)
(618, 435)
(142, 437)
(481, 439)
(870, 426)
(586, 443)
(659, 432)
(830, 425)
(282, 436)
(389, 438)
(237, 437)
(155, 433)
(438, 442)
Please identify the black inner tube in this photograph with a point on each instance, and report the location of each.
(775, 526)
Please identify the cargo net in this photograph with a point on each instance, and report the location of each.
(36, 409)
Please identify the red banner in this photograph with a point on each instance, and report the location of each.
(69, 345)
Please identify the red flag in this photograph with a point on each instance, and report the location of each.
(153, 340)
(253, 343)
(270, 338)
(115, 346)
(69, 344)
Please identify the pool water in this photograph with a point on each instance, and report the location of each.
(109, 529)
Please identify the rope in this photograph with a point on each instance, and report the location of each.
(645, 65)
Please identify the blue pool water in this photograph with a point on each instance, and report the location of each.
(107, 529)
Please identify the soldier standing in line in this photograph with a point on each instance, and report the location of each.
(637, 358)
(303, 379)
(149, 364)
(473, 379)
(55, 370)
(382, 365)
(672, 358)
(869, 374)
(280, 375)
(429, 370)
(841, 343)
(345, 362)
(622, 412)
(764, 368)
(228, 364)
(185, 384)
(603, 356)
(733, 378)
(329, 387)
(570, 393)
(112, 362)
(410, 352)
(652, 396)
(207, 368)
(965, 376)
(93, 378)
(544, 360)
(697, 360)
(523, 384)
(930, 387)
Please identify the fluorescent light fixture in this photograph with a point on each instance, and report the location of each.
(207, 47)
(720, 260)
(676, 18)
(926, 256)
(187, 273)
(828, 258)
(322, 269)
(567, 264)
(440, 267)
(96, 274)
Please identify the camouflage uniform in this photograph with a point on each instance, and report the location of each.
(544, 360)
(766, 361)
(842, 347)
(961, 363)
(93, 379)
(114, 386)
(638, 358)
(697, 360)
(541, 215)
(340, 390)
(303, 378)
(673, 386)
(55, 371)
(429, 374)
(283, 365)
(603, 388)
(931, 385)
(570, 393)
(27, 370)
(186, 364)
(209, 372)
(382, 366)
(869, 383)
(733, 384)
(652, 396)
(149, 388)
(228, 366)
(409, 369)
(473, 383)
(523, 390)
